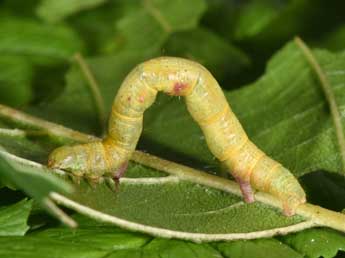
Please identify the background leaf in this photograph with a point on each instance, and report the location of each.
(53, 11)
(157, 18)
(35, 181)
(41, 43)
(13, 218)
(16, 74)
(315, 243)
(221, 58)
(263, 248)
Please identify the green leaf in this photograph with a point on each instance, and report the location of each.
(15, 80)
(30, 144)
(38, 247)
(255, 16)
(263, 248)
(222, 59)
(33, 180)
(54, 11)
(158, 19)
(78, 91)
(174, 248)
(169, 248)
(42, 43)
(18, 7)
(99, 22)
(314, 243)
(333, 40)
(151, 15)
(181, 207)
(13, 218)
(266, 25)
(101, 237)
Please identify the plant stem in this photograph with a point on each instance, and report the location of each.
(157, 15)
(94, 88)
(317, 215)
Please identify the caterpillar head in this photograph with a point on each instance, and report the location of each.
(70, 158)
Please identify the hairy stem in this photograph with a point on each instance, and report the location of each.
(318, 216)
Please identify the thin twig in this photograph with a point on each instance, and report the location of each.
(327, 89)
(157, 15)
(94, 88)
(63, 217)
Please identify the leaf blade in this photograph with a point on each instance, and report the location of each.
(13, 218)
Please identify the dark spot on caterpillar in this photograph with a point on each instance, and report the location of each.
(178, 88)
(129, 98)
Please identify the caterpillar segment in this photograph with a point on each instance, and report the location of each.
(208, 106)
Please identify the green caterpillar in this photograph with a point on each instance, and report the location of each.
(207, 104)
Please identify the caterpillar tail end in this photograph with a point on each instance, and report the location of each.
(288, 190)
(291, 204)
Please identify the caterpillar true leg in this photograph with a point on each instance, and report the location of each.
(208, 106)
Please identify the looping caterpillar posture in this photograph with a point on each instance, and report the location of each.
(208, 106)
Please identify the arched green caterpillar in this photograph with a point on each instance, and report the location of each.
(208, 106)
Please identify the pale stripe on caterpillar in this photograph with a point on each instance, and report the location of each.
(208, 106)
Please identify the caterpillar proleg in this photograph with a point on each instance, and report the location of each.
(208, 106)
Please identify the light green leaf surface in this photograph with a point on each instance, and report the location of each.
(42, 43)
(13, 218)
(263, 248)
(103, 238)
(181, 206)
(54, 11)
(314, 243)
(32, 178)
(38, 247)
(159, 19)
(173, 248)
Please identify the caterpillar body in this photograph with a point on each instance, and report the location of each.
(208, 106)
